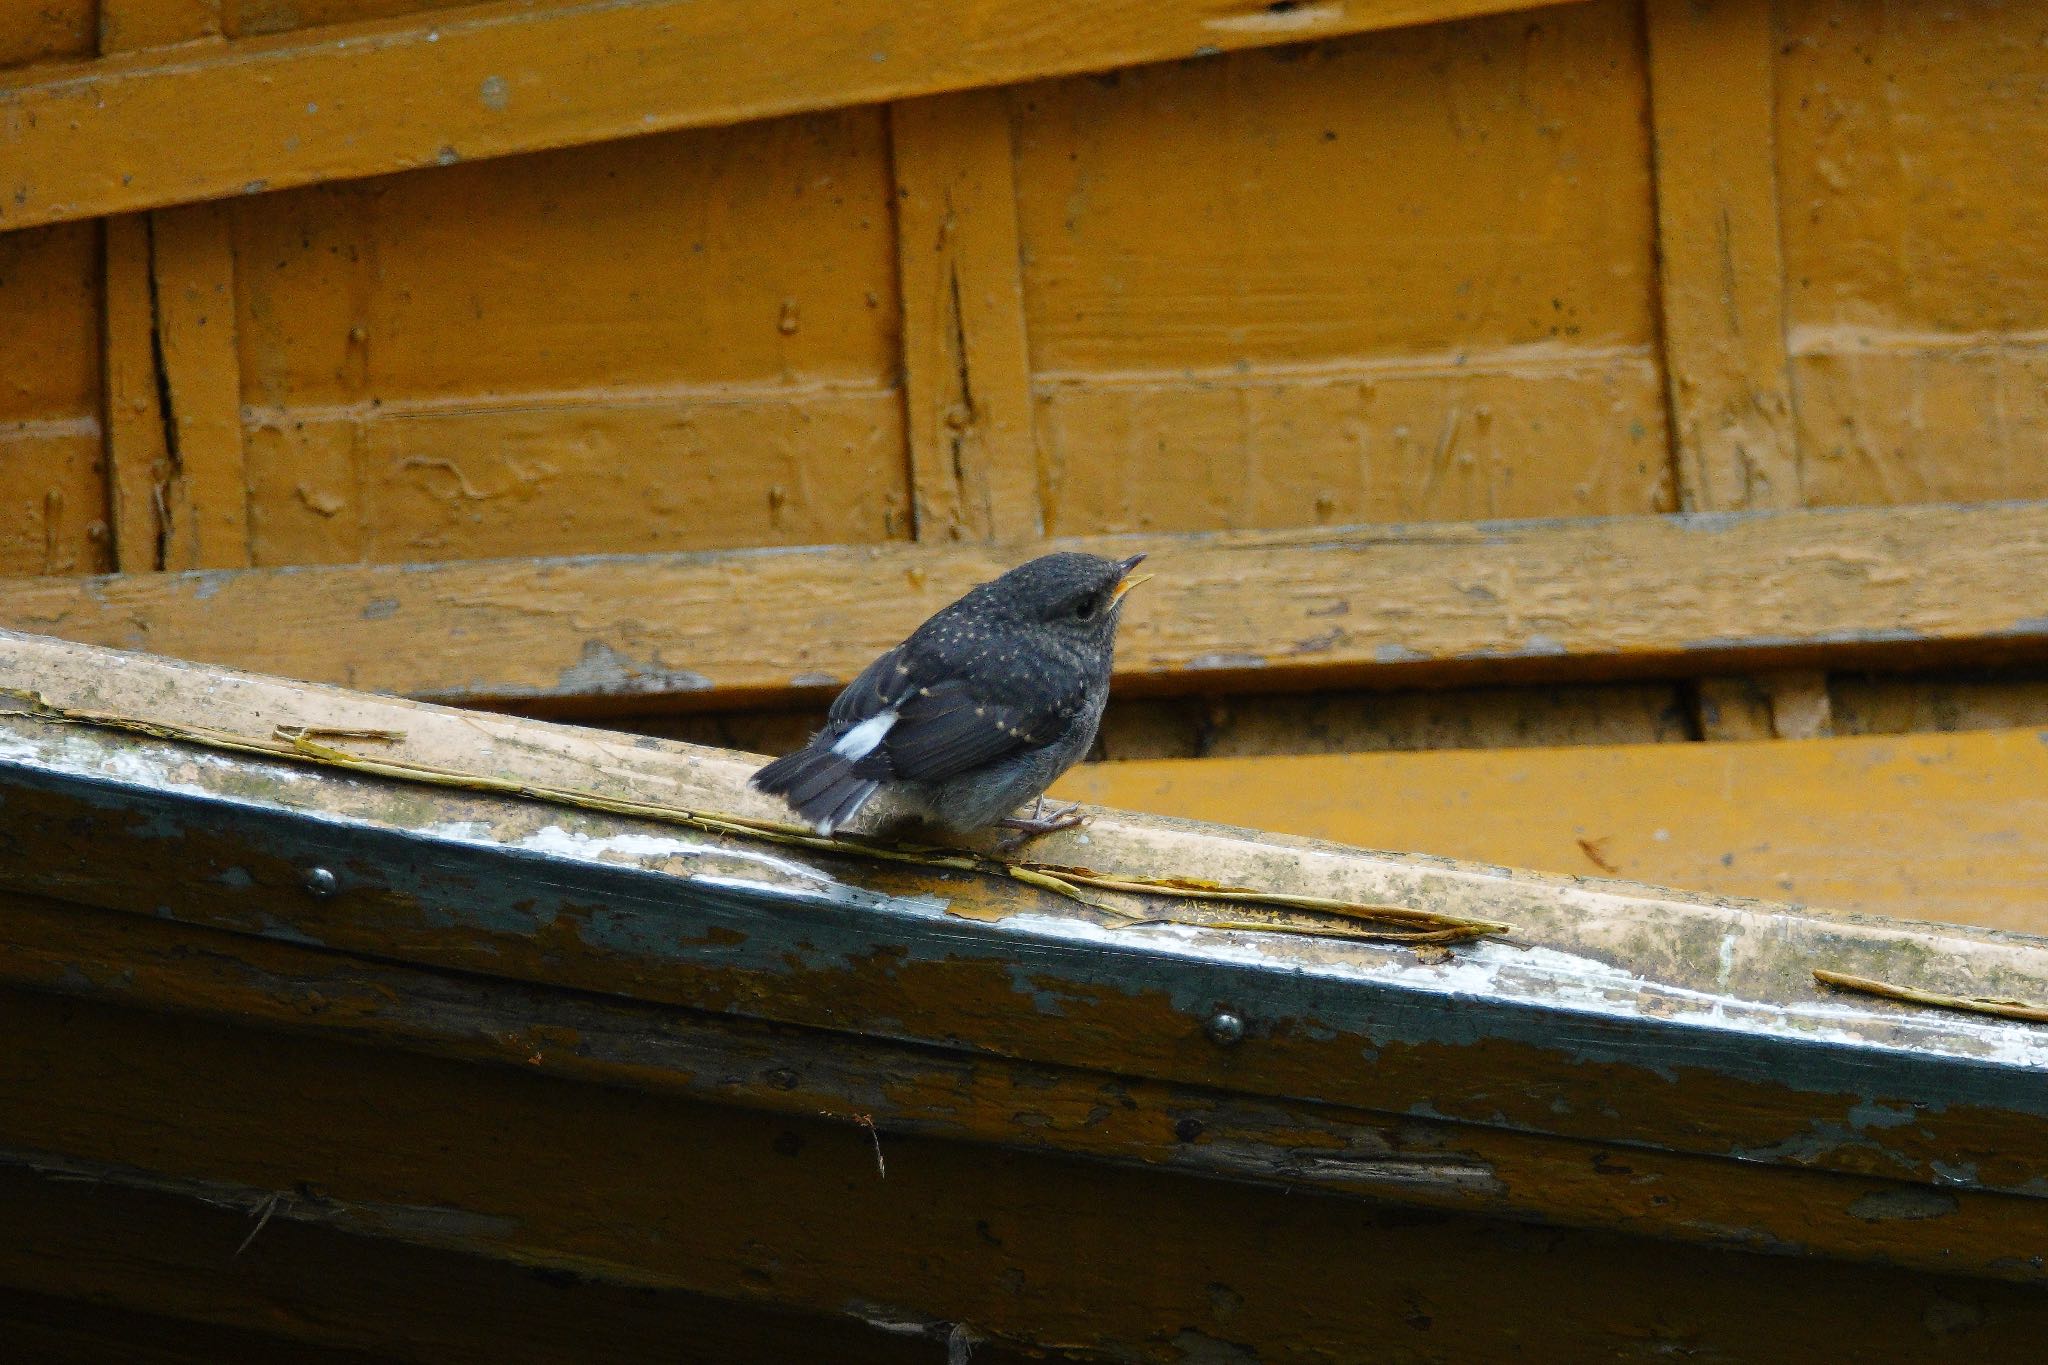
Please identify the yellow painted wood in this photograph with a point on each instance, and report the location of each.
(967, 377)
(363, 99)
(137, 452)
(1238, 612)
(1722, 293)
(1712, 68)
(206, 501)
(1916, 253)
(143, 484)
(1932, 827)
(39, 30)
(53, 490)
(664, 347)
(1256, 299)
(126, 25)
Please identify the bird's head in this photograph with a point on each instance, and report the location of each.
(1076, 595)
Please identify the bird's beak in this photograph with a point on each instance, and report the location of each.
(1129, 581)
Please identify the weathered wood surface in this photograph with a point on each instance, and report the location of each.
(84, 140)
(966, 366)
(626, 1212)
(630, 998)
(1385, 605)
(1930, 827)
(114, 1268)
(1748, 955)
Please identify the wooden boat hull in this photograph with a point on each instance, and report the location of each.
(387, 1026)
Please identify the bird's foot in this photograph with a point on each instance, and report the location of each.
(1036, 824)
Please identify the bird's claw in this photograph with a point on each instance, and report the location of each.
(1033, 826)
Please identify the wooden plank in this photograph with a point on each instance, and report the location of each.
(134, 382)
(574, 961)
(206, 500)
(128, 25)
(1252, 303)
(238, 981)
(1934, 827)
(1242, 611)
(1790, 704)
(1722, 288)
(721, 371)
(86, 140)
(138, 454)
(966, 371)
(313, 1295)
(1918, 317)
(1605, 985)
(1721, 272)
(53, 491)
(398, 1214)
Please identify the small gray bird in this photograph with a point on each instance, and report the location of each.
(978, 711)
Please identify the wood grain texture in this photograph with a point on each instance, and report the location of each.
(1721, 274)
(1662, 596)
(966, 374)
(128, 25)
(492, 886)
(1253, 302)
(293, 109)
(137, 448)
(168, 294)
(304, 1294)
(1916, 251)
(723, 372)
(1934, 827)
(53, 488)
(206, 500)
(39, 30)
(1866, 704)
(501, 1171)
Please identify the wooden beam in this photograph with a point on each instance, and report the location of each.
(87, 139)
(206, 498)
(966, 370)
(1721, 273)
(489, 1213)
(129, 25)
(1234, 611)
(172, 376)
(1948, 827)
(142, 1271)
(138, 453)
(1727, 1052)
(238, 981)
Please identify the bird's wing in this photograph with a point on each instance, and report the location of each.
(911, 715)
(946, 728)
(879, 687)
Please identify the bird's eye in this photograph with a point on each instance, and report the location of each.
(1085, 609)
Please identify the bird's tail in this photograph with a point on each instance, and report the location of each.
(819, 785)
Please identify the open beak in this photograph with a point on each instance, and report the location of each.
(1130, 581)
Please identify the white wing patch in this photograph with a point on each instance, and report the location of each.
(857, 743)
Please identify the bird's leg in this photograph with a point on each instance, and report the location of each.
(1031, 826)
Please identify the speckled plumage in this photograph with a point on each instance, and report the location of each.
(978, 711)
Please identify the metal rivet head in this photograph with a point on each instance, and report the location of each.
(322, 883)
(1224, 1029)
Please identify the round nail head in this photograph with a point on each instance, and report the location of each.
(1224, 1029)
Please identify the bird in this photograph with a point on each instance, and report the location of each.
(977, 711)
